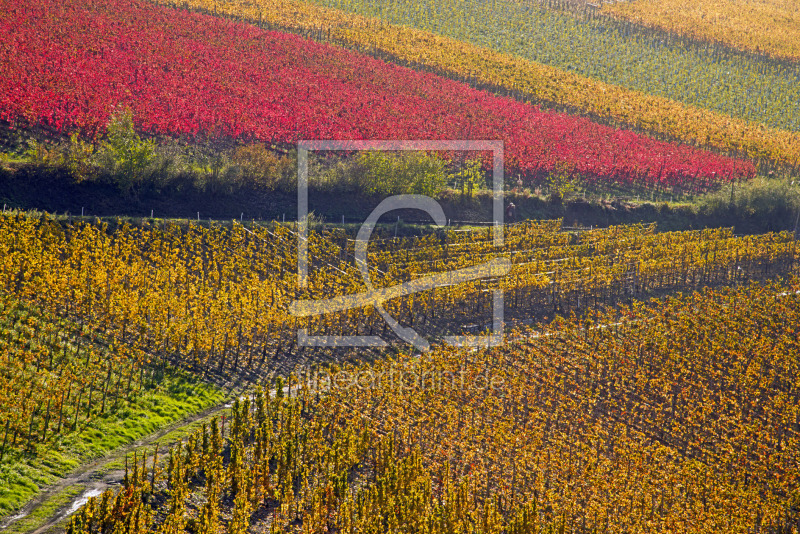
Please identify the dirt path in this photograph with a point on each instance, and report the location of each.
(95, 475)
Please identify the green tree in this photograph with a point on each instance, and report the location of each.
(125, 154)
(404, 173)
(470, 177)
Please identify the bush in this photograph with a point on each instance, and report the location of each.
(771, 203)
(555, 199)
(74, 157)
(562, 183)
(125, 156)
(470, 178)
(257, 167)
(79, 158)
(403, 173)
(381, 173)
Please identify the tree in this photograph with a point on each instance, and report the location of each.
(124, 153)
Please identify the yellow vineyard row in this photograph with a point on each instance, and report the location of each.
(771, 27)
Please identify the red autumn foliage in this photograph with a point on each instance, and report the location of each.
(66, 65)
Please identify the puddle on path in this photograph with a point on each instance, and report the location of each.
(83, 499)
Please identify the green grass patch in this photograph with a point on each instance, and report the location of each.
(168, 439)
(178, 395)
(43, 513)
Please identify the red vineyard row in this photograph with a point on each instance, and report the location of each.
(66, 65)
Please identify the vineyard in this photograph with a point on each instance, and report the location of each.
(713, 20)
(85, 331)
(634, 427)
(66, 369)
(708, 77)
(243, 82)
(518, 77)
(67, 395)
(219, 298)
(316, 373)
